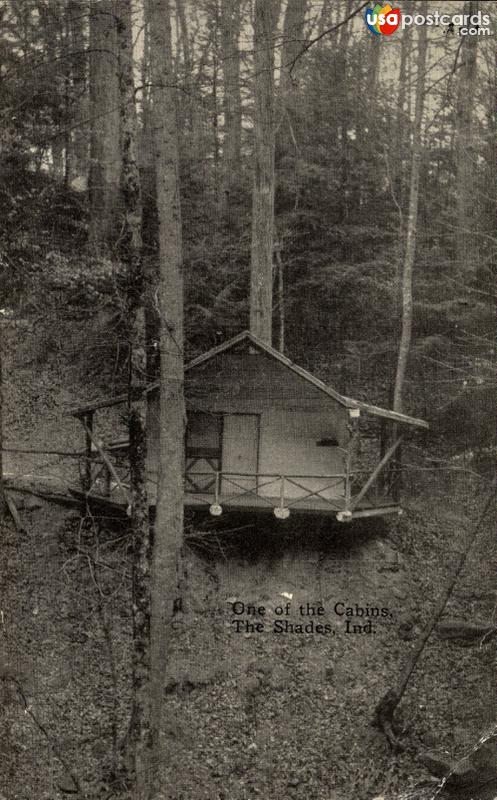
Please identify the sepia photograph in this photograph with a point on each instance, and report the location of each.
(248, 400)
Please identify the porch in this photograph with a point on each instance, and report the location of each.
(345, 495)
(282, 495)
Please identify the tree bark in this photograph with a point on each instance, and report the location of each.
(53, 29)
(232, 105)
(281, 298)
(3, 503)
(345, 121)
(412, 220)
(105, 157)
(131, 253)
(466, 254)
(78, 137)
(261, 258)
(293, 31)
(402, 126)
(214, 115)
(168, 534)
(185, 119)
(287, 141)
(149, 229)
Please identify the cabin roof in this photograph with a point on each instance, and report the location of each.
(266, 348)
(247, 336)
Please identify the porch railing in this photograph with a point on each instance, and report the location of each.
(341, 492)
(226, 487)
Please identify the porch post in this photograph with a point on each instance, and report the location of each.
(353, 429)
(397, 475)
(383, 437)
(383, 479)
(376, 472)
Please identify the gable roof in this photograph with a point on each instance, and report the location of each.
(258, 344)
(254, 341)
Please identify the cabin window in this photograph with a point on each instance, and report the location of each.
(329, 441)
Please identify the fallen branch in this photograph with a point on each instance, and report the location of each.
(466, 632)
(35, 451)
(42, 492)
(384, 711)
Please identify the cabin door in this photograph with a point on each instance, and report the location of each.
(240, 453)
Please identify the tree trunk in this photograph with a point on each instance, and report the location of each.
(53, 31)
(149, 230)
(131, 256)
(185, 118)
(105, 157)
(232, 105)
(325, 18)
(402, 126)
(214, 93)
(466, 254)
(78, 159)
(168, 533)
(281, 297)
(3, 504)
(412, 220)
(288, 133)
(350, 194)
(191, 105)
(185, 41)
(293, 32)
(261, 257)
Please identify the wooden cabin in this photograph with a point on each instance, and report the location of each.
(263, 434)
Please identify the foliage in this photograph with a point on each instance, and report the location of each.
(341, 194)
(81, 281)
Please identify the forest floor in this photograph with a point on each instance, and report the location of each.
(260, 714)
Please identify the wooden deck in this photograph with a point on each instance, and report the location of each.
(343, 495)
(249, 503)
(306, 505)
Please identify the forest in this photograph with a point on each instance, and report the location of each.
(173, 173)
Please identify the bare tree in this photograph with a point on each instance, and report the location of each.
(465, 148)
(401, 124)
(105, 156)
(293, 40)
(76, 12)
(288, 136)
(412, 221)
(131, 252)
(3, 503)
(261, 257)
(232, 105)
(169, 513)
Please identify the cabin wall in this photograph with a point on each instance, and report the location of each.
(288, 446)
(293, 415)
(253, 383)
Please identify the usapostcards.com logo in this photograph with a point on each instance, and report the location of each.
(385, 20)
(382, 20)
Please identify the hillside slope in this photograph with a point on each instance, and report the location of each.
(265, 713)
